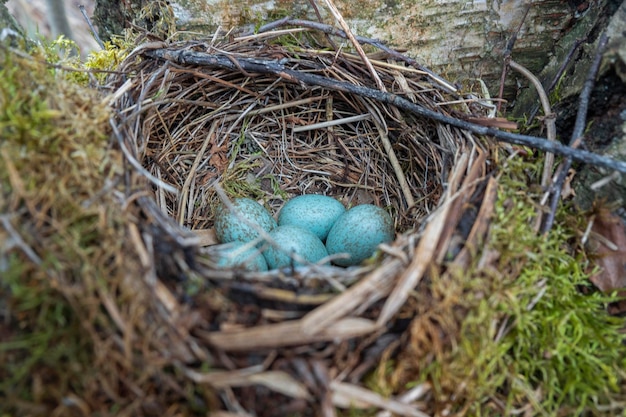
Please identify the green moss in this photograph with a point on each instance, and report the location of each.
(50, 347)
(65, 61)
(563, 350)
(562, 341)
(107, 59)
(158, 18)
(239, 179)
(25, 117)
(98, 63)
(527, 330)
(52, 138)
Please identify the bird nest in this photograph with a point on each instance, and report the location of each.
(270, 116)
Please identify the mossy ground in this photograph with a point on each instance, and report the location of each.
(54, 159)
(529, 333)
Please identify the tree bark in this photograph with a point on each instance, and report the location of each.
(459, 39)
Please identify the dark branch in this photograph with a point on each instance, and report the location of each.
(579, 130)
(278, 68)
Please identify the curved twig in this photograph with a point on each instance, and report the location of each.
(549, 118)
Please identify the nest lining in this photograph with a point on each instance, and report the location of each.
(262, 137)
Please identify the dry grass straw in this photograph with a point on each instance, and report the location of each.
(195, 130)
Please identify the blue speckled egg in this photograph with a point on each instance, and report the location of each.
(292, 239)
(231, 226)
(313, 212)
(240, 255)
(358, 232)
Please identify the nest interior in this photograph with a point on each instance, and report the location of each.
(263, 137)
(192, 128)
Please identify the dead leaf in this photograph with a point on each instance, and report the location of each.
(219, 156)
(498, 122)
(608, 244)
(568, 190)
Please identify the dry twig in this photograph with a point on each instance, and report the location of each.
(578, 132)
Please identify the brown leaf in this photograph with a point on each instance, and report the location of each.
(608, 244)
(568, 190)
(499, 122)
(219, 156)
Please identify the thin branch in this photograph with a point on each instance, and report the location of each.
(91, 27)
(579, 130)
(550, 123)
(277, 68)
(184, 193)
(27, 57)
(133, 161)
(511, 43)
(18, 241)
(558, 75)
(271, 26)
(321, 20)
(393, 159)
(500, 99)
(507, 56)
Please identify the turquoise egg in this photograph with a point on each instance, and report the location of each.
(313, 212)
(292, 239)
(237, 225)
(358, 232)
(240, 255)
